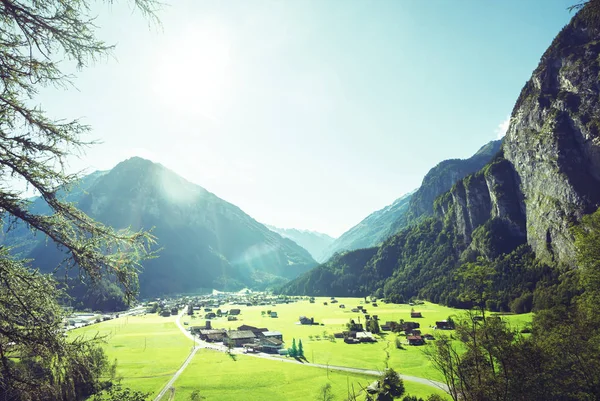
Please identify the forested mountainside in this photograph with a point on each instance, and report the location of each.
(314, 242)
(204, 241)
(513, 218)
(408, 209)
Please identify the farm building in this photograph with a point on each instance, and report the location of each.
(415, 340)
(273, 314)
(444, 325)
(238, 338)
(234, 312)
(414, 314)
(273, 334)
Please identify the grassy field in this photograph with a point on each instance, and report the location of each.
(410, 361)
(148, 349)
(217, 376)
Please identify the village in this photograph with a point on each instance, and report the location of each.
(222, 316)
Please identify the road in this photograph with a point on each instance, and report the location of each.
(176, 375)
(198, 344)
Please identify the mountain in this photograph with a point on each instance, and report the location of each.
(372, 230)
(206, 242)
(508, 225)
(408, 209)
(314, 242)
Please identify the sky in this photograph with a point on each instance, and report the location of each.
(306, 114)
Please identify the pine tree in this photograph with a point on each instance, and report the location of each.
(300, 349)
(293, 352)
(38, 361)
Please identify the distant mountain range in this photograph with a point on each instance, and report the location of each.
(314, 242)
(410, 208)
(206, 242)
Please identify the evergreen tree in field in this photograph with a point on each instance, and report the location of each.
(293, 352)
(37, 361)
(300, 349)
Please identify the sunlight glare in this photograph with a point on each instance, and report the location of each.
(193, 74)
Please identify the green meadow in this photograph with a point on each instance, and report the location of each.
(217, 376)
(150, 349)
(318, 349)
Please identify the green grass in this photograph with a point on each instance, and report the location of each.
(217, 376)
(411, 361)
(148, 349)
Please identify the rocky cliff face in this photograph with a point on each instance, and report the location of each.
(553, 140)
(491, 193)
(443, 176)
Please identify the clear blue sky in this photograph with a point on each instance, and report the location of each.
(307, 114)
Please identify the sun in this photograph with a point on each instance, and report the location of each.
(193, 72)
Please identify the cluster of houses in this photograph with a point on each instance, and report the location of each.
(253, 339)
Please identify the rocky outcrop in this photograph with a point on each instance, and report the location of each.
(491, 193)
(442, 177)
(553, 140)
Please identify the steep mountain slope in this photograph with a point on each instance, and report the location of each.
(314, 242)
(206, 242)
(508, 223)
(372, 230)
(408, 209)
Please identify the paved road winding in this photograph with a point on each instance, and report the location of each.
(203, 344)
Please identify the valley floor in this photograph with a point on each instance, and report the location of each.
(150, 349)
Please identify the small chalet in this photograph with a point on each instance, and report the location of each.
(239, 337)
(273, 314)
(428, 337)
(414, 314)
(210, 315)
(212, 334)
(231, 318)
(342, 306)
(269, 345)
(234, 312)
(443, 325)
(385, 327)
(410, 325)
(413, 332)
(415, 340)
(365, 337)
(354, 309)
(258, 332)
(273, 334)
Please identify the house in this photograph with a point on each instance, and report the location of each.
(258, 332)
(325, 303)
(414, 314)
(165, 313)
(210, 315)
(444, 325)
(413, 332)
(350, 340)
(234, 312)
(415, 340)
(273, 334)
(238, 338)
(410, 326)
(174, 311)
(305, 320)
(385, 327)
(273, 314)
(212, 334)
(365, 337)
(269, 345)
(231, 318)
(428, 337)
(334, 301)
(342, 306)
(338, 335)
(375, 304)
(354, 309)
